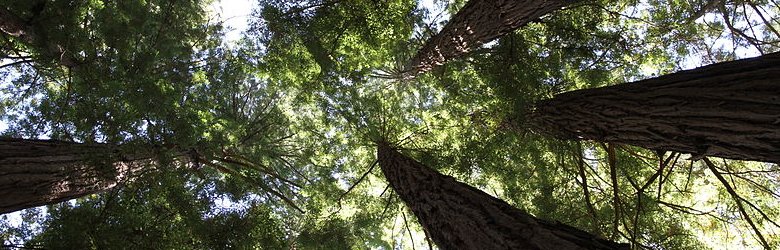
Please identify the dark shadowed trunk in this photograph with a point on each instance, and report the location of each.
(729, 110)
(41, 172)
(479, 22)
(458, 216)
(14, 26)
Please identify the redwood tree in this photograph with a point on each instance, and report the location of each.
(458, 216)
(729, 110)
(478, 22)
(40, 172)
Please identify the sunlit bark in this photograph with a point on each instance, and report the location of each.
(729, 110)
(479, 22)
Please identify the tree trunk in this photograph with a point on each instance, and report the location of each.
(40, 172)
(729, 110)
(14, 26)
(479, 22)
(458, 216)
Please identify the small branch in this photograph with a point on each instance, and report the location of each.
(739, 32)
(408, 230)
(246, 163)
(709, 6)
(766, 217)
(666, 177)
(250, 180)
(756, 184)
(738, 200)
(428, 240)
(584, 183)
(689, 210)
(612, 161)
(359, 180)
(385, 190)
(304, 8)
(387, 206)
(768, 24)
(661, 164)
(16, 63)
(294, 169)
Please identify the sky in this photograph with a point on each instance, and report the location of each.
(234, 14)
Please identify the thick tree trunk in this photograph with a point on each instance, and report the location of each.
(458, 216)
(729, 110)
(479, 22)
(41, 172)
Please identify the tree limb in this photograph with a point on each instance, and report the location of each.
(738, 200)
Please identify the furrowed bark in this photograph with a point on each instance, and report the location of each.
(729, 110)
(479, 22)
(458, 216)
(41, 172)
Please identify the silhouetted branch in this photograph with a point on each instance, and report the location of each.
(738, 200)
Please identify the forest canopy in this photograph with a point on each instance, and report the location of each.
(156, 125)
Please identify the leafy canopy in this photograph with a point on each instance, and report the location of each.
(285, 119)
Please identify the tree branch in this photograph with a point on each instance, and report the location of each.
(359, 180)
(250, 180)
(738, 200)
(612, 161)
(584, 183)
(408, 230)
(258, 167)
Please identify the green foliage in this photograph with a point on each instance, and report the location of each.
(331, 234)
(164, 210)
(289, 117)
(129, 67)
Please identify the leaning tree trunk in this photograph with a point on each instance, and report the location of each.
(41, 172)
(458, 216)
(479, 22)
(729, 110)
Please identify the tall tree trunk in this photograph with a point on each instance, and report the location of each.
(41, 172)
(729, 110)
(479, 22)
(458, 216)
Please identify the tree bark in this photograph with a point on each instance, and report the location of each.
(458, 216)
(479, 22)
(729, 110)
(41, 172)
(14, 26)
